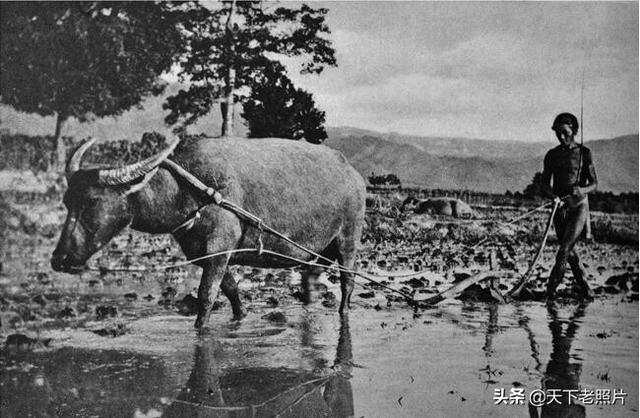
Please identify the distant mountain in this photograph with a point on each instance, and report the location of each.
(482, 165)
(453, 147)
(431, 162)
(616, 162)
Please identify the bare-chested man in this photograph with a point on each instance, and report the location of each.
(570, 166)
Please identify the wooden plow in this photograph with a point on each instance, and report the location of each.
(512, 294)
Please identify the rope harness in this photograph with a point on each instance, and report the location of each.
(261, 226)
(216, 197)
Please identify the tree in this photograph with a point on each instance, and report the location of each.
(229, 47)
(276, 108)
(534, 189)
(84, 59)
(384, 180)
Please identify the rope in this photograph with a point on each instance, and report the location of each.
(319, 382)
(518, 287)
(502, 225)
(409, 298)
(259, 223)
(268, 252)
(262, 226)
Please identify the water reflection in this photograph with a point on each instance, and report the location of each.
(523, 322)
(71, 382)
(338, 393)
(268, 392)
(491, 330)
(83, 382)
(562, 374)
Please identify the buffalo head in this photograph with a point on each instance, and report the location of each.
(97, 202)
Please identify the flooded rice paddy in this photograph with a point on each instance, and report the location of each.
(123, 344)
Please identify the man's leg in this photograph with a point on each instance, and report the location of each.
(569, 224)
(557, 273)
(579, 274)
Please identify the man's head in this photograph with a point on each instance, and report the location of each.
(566, 126)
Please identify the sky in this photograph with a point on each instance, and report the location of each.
(491, 70)
(486, 70)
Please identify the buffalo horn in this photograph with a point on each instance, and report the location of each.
(131, 172)
(74, 162)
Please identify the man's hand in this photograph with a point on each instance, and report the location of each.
(577, 191)
(558, 201)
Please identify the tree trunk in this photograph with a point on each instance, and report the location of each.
(61, 151)
(230, 78)
(227, 118)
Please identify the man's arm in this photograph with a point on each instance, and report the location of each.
(591, 180)
(545, 179)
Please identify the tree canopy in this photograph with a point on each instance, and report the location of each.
(275, 108)
(81, 58)
(84, 59)
(255, 41)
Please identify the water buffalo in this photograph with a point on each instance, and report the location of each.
(308, 192)
(448, 206)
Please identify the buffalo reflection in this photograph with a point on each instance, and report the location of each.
(268, 392)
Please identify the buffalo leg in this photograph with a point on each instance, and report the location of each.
(347, 243)
(230, 289)
(347, 258)
(211, 274)
(227, 234)
(346, 288)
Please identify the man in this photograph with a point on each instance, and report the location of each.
(570, 166)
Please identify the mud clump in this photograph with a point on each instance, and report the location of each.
(103, 312)
(481, 293)
(531, 294)
(416, 283)
(113, 332)
(10, 319)
(20, 342)
(40, 300)
(299, 296)
(276, 316)
(188, 305)
(67, 313)
(218, 304)
(329, 299)
(168, 296)
(169, 293)
(131, 296)
(623, 282)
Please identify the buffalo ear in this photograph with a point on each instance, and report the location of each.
(137, 185)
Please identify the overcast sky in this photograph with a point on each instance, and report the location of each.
(489, 70)
(493, 70)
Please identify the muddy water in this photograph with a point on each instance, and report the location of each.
(447, 361)
(381, 362)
